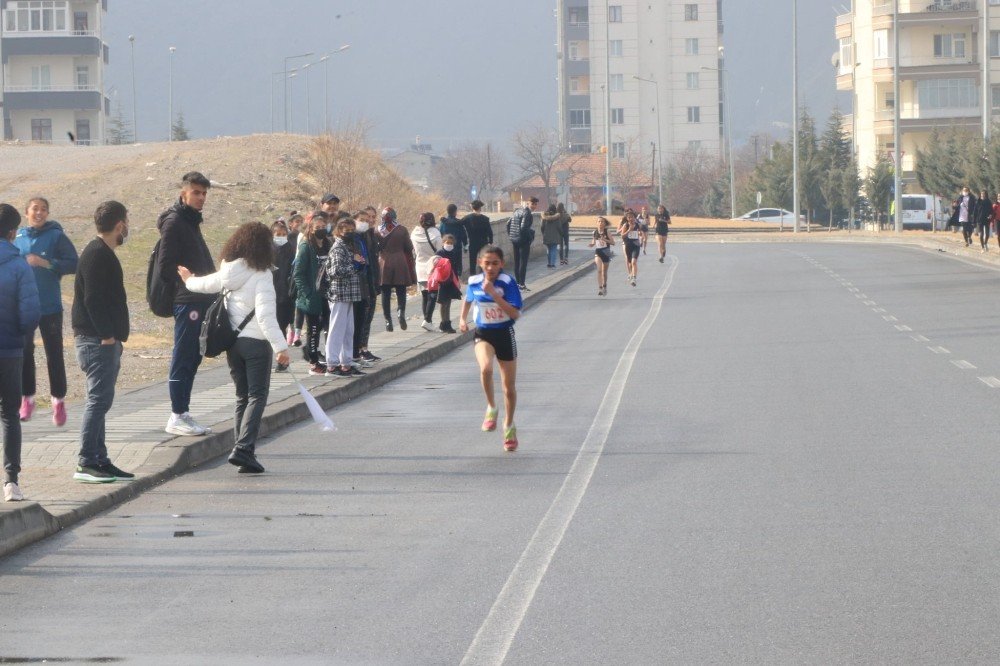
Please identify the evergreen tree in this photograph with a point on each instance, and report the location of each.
(179, 130)
(878, 187)
(810, 166)
(119, 128)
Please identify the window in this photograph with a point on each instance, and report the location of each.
(846, 56)
(614, 14)
(880, 44)
(995, 43)
(693, 80)
(579, 85)
(579, 147)
(80, 22)
(995, 96)
(40, 77)
(578, 16)
(889, 100)
(694, 114)
(690, 12)
(83, 131)
(694, 145)
(617, 82)
(949, 46)
(579, 119)
(615, 48)
(617, 116)
(41, 129)
(82, 77)
(36, 15)
(691, 46)
(579, 51)
(618, 149)
(947, 94)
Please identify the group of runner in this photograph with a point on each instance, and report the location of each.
(634, 232)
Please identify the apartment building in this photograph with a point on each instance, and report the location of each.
(674, 45)
(944, 64)
(53, 70)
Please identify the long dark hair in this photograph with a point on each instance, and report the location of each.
(252, 243)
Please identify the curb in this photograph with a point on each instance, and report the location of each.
(29, 522)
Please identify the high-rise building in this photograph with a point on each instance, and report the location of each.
(53, 70)
(661, 62)
(941, 73)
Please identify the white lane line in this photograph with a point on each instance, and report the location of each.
(494, 638)
(939, 350)
(870, 303)
(863, 295)
(964, 365)
(889, 318)
(853, 290)
(992, 382)
(879, 310)
(903, 327)
(920, 338)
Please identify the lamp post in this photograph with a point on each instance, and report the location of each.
(273, 76)
(170, 96)
(659, 141)
(287, 100)
(326, 84)
(795, 116)
(135, 127)
(727, 126)
(607, 106)
(305, 67)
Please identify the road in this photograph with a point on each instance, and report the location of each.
(763, 453)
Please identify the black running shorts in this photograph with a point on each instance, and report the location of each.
(604, 254)
(632, 249)
(501, 339)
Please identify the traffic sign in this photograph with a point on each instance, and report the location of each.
(473, 192)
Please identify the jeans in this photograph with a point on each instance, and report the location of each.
(521, 253)
(186, 357)
(400, 301)
(310, 343)
(250, 367)
(553, 251)
(101, 364)
(363, 313)
(10, 400)
(564, 246)
(51, 328)
(429, 301)
(340, 335)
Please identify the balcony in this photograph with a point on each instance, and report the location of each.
(915, 119)
(923, 12)
(51, 44)
(845, 26)
(917, 68)
(54, 97)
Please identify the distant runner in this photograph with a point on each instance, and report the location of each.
(632, 237)
(662, 229)
(602, 254)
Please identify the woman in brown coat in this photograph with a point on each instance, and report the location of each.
(396, 266)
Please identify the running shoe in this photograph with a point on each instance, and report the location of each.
(58, 412)
(490, 422)
(12, 493)
(119, 474)
(510, 439)
(427, 326)
(353, 372)
(92, 474)
(337, 373)
(27, 408)
(296, 340)
(368, 356)
(183, 425)
(360, 363)
(317, 370)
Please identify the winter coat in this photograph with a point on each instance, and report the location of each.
(50, 243)
(345, 280)
(448, 290)
(551, 228)
(304, 269)
(367, 274)
(396, 262)
(956, 209)
(980, 213)
(250, 290)
(564, 223)
(455, 227)
(181, 244)
(19, 308)
(426, 242)
(519, 227)
(284, 257)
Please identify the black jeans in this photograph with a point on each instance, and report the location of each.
(250, 367)
(363, 313)
(10, 401)
(387, 290)
(101, 363)
(521, 253)
(310, 345)
(51, 328)
(564, 246)
(429, 299)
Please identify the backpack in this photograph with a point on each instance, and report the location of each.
(159, 292)
(441, 273)
(217, 334)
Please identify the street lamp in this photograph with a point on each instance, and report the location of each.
(273, 75)
(287, 100)
(170, 96)
(795, 116)
(727, 126)
(306, 68)
(135, 127)
(659, 140)
(326, 83)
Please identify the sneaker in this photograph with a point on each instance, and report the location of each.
(119, 474)
(12, 493)
(296, 340)
(361, 363)
(245, 460)
(490, 422)
(184, 425)
(336, 373)
(600, 292)
(317, 370)
(661, 260)
(92, 474)
(510, 439)
(388, 326)
(290, 338)
(368, 356)
(27, 408)
(281, 367)
(58, 412)
(633, 282)
(353, 372)
(427, 326)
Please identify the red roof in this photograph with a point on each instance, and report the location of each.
(586, 170)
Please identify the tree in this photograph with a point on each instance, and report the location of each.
(772, 178)
(810, 166)
(943, 164)
(483, 166)
(878, 187)
(834, 160)
(630, 171)
(119, 128)
(537, 149)
(688, 179)
(179, 131)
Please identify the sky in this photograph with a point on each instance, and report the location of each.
(448, 71)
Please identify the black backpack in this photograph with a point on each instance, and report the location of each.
(159, 292)
(217, 334)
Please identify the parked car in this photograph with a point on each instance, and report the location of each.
(921, 211)
(776, 215)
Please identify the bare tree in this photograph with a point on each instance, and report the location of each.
(483, 166)
(537, 150)
(631, 171)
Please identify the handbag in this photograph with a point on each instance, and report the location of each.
(217, 334)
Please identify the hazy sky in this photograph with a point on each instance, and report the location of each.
(446, 70)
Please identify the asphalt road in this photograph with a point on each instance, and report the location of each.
(763, 453)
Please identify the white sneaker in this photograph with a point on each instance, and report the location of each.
(427, 326)
(183, 425)
(11, 493)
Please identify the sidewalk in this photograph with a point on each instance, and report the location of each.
(136, 440)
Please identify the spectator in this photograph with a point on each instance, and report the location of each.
(19, 313)
(450, 224)
(182, 244)
(365, 230)
(51, 255)
(552, 233)
(396, 266)
(480, 231)
(448, 290)
(426, 241)
(309, 299)
(284, 285)
(101, 325)
(981, 213)
(564, 223)
(295, 222)
(521, 236)
(961, 214)
(344, 270)
(245, 272)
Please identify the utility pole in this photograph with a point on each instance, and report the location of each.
(607, 106)
(795, 114)
(987, 95)
(897, 138)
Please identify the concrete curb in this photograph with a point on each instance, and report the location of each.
(24, 524)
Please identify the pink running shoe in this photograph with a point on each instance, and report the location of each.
(490, 422)
(290, 337)
(510, 439)
(27, 408)
(58, 412)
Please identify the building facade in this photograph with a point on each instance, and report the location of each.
(944, 66)
(53, 56)
(674, 45)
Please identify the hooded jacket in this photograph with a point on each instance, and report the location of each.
(19, 309)
(250, 290)
(181, 244)
(50, 243)
(551, 228)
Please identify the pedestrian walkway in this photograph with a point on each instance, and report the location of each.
(136, 441)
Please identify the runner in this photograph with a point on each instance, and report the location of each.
(602, 255)
(662, 229)
(497, 306)
(643, 220)
(632, 237)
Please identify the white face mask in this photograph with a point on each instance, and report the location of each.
(449, 247)
(280, 240)
(362, 227)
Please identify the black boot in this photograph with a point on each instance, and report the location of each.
(402, 319)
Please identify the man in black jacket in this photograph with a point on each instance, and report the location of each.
(182, 244)
(480, 231)
(520, 232)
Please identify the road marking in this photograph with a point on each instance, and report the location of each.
(920, 338)
(889, 318)
(903, 327)
(879, 310)
(939, 350)
(964, 365)
(494, 638)
(870, 303)
(992, 382)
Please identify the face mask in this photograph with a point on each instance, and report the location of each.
(449, 247)
(123, 237)
(280, 240)
(320, 233)
(329, 228)
(362, 227)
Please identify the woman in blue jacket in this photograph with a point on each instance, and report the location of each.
(51, 255)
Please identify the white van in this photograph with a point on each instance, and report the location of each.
(920, 211)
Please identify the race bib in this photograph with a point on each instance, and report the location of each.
(633, 235)
(491, 313)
